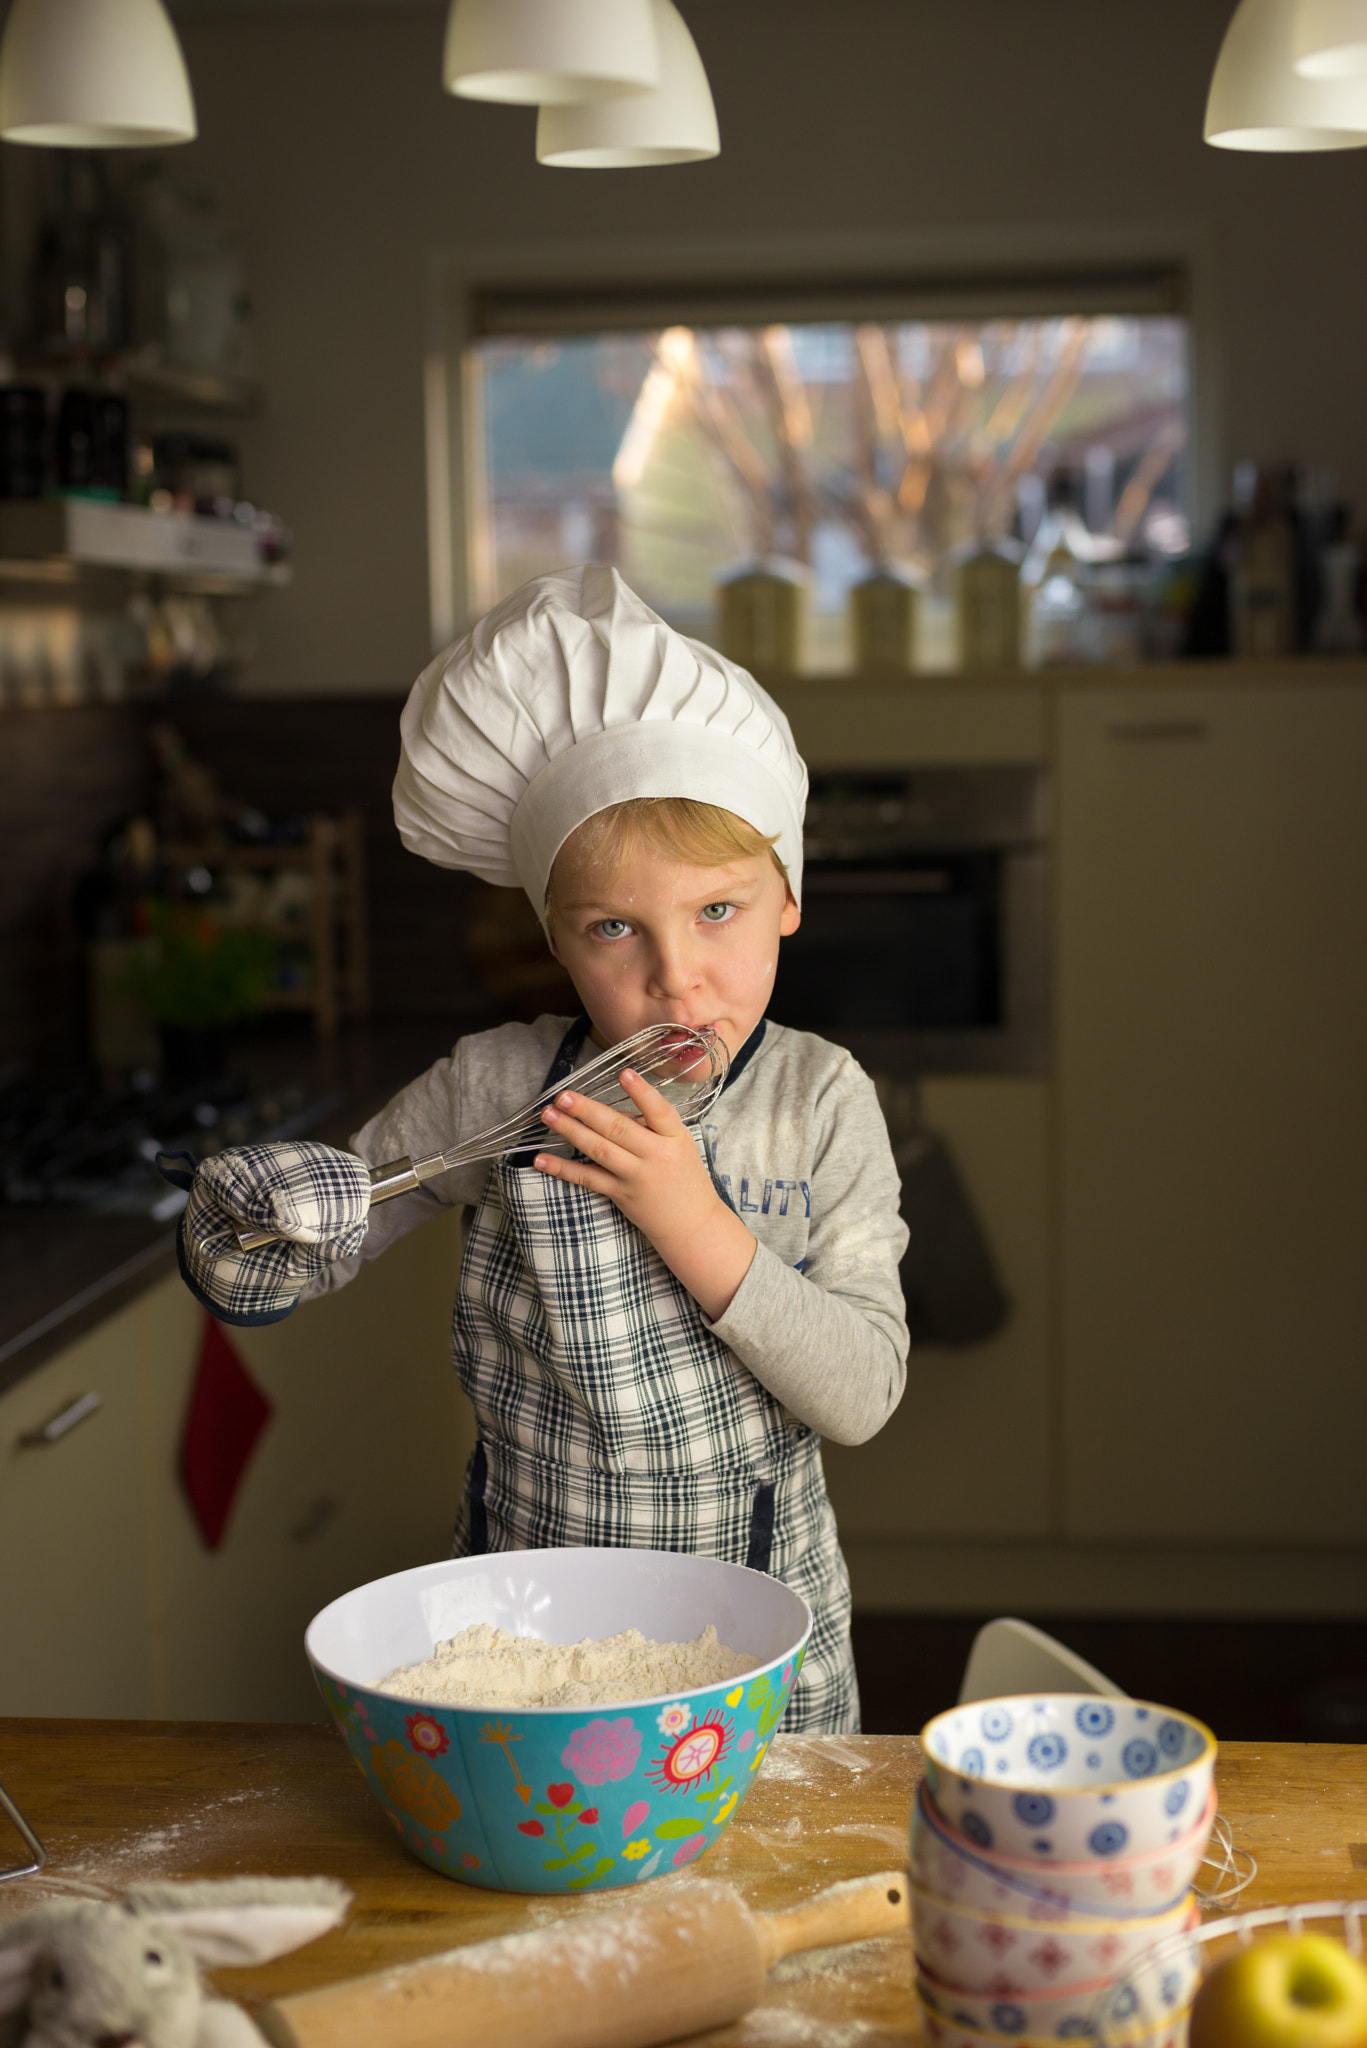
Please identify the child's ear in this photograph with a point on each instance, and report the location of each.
(790, 917)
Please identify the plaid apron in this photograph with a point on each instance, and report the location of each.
(609, 1415)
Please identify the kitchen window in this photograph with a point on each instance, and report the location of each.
(676, 433)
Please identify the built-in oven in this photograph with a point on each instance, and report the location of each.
(924, 943)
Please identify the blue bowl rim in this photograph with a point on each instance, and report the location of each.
(600, 1706)
(1006, 1781)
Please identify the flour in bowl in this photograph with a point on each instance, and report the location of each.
(487, 1667)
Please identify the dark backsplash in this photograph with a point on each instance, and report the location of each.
(67, 777)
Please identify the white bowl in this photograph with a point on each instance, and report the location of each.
(1118, 1888)
(1068, 1777)
(560, 1799)
(942, 2033)
(1045, 1951)
(1066, 2012)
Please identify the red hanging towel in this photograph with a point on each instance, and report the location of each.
(228, 1412)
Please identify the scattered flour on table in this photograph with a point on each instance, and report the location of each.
(487, 1667)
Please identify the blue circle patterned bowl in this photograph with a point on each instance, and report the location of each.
(560, 1799)
(1068, 1777)
(1119, 1887)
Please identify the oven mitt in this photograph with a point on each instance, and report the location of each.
(316, 1198)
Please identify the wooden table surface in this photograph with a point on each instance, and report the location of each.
(126, 1802)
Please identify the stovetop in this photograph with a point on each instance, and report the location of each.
(66, 1145)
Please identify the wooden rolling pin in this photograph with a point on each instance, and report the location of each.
(694, 1959)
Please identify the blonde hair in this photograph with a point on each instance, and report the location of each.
(701, 835)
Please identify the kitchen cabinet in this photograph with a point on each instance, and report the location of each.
(76, 1587)
(1212, 1112)
(1170, 1420)
(122, 1609)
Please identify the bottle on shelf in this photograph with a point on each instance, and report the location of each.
(1264, 599)
(1339, 625)
(23, 441)
(985, 576)
(1054, 579)
(762, 614)
(883, 618)
(80, 276)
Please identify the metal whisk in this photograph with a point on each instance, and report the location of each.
(688, 1065)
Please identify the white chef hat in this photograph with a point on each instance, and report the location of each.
(570, 696)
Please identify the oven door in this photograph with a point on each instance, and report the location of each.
(932, 963)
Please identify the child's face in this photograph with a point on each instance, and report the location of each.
(658, 941)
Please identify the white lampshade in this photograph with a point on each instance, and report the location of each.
(675, 124)
(549, 52)
(1329, 39)
(1257, 100)
(93, 74)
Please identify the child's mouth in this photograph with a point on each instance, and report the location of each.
(685, 1053)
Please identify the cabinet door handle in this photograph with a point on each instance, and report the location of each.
(1141, 729)
(60, 1425)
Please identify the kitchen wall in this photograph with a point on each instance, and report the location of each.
(972, 129)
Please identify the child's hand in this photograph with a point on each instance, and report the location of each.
(652, 1170)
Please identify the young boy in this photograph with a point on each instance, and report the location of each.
(655, 1328)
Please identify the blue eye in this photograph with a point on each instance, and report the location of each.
(717, 913)
(613, 927)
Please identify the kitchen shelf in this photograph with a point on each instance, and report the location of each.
(146, 381)
(207, 390)
(333, 931)
(57, 539)
(1240, 672)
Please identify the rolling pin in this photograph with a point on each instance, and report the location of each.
(692, 1960)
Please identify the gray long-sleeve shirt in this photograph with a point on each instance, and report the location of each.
(798, 1144)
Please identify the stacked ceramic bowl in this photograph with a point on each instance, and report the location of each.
(1054, 1839)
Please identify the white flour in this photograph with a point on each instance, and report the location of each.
(487, 1667)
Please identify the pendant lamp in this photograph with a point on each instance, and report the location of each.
(1330, 38)
(93, 74)
(1258, 101)
(549, 52)
(675, 124)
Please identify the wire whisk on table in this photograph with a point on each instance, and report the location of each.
(1226, 1870)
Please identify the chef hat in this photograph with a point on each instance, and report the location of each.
(569, 696)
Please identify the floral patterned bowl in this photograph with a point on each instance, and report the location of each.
(1117, 1886)
(560, 1799)
(943, 2033)
(978, 1951)
(1068, 1777)
(1066, 2012)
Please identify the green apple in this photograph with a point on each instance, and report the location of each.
(1287, 1991)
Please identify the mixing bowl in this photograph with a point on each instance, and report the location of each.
(1068, 1777)
(1118, 1887)
(560, 1799)
(988, 1951)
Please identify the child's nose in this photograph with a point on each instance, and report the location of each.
(674, 971)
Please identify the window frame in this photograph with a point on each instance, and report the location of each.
(475, 291)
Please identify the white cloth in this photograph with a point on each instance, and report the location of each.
(570, 696)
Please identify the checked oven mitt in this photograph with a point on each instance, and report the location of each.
(315, 1198)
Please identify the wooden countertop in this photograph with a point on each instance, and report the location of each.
(124, 1802)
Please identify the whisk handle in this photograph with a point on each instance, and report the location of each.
(398, 1177)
